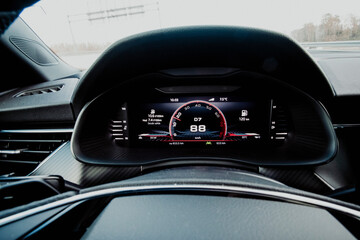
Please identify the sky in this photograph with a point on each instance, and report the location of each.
(49, 18)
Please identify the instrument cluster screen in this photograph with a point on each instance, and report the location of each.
(210, 121)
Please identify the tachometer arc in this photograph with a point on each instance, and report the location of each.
(175, 118)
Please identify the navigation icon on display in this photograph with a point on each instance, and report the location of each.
(211, 99)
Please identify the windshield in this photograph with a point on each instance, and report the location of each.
(80, 30)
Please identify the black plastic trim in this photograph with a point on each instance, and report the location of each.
(203, 47)
(51, 107)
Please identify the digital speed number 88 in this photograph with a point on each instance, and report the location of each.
(197, 121)
(197, 128)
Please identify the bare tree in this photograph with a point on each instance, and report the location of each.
(331, 28)
(354, 28)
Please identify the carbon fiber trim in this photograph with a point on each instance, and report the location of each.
(64, 164)
(303, 179)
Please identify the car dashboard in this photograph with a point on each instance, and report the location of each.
(148, 111)
(165, 113)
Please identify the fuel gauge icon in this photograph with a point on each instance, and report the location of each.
(244, 113)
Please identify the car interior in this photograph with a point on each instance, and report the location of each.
(195, 132)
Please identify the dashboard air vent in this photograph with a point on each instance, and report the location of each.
(29, 146)
(280, 123)
(40, 91)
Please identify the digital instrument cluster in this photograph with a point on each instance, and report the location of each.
(138, 125)
(205, 120)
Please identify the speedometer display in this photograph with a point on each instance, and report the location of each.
(200, 120)
(197, 121)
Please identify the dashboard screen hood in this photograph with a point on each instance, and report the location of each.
(246, 49)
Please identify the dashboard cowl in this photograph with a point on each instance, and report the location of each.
(311, 139)
(203, 47)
